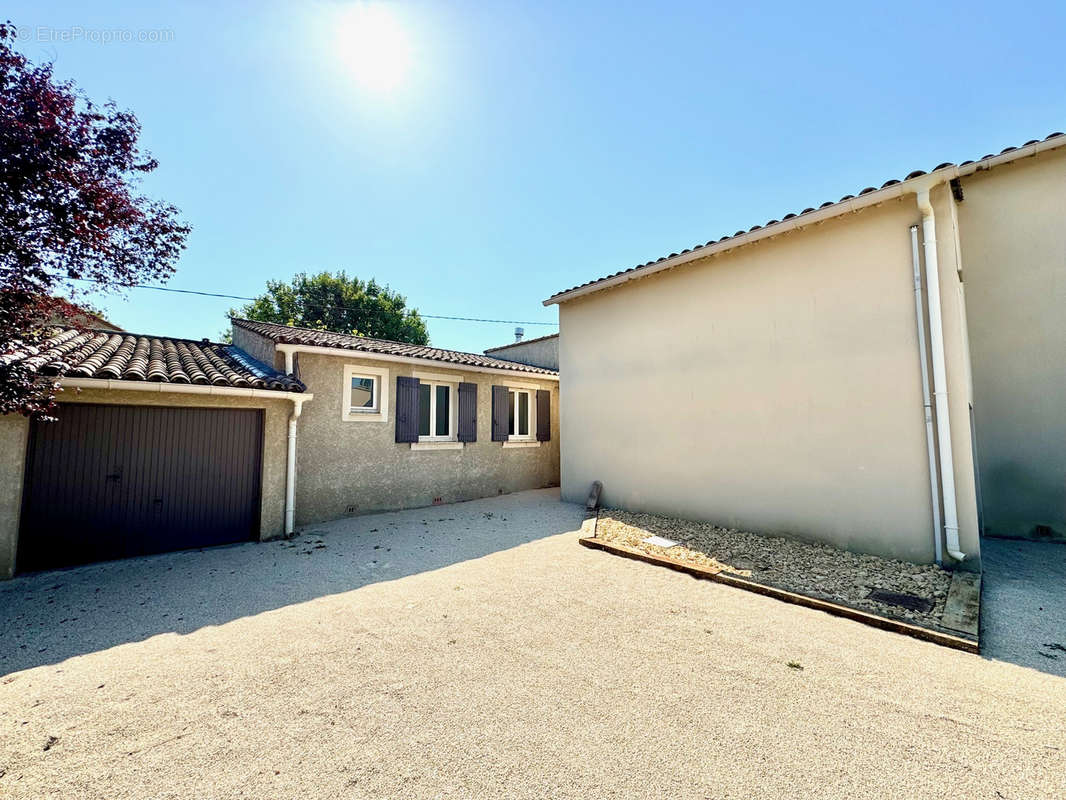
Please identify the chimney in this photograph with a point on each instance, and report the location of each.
(519, 333)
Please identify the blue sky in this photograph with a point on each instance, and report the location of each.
(529, 147)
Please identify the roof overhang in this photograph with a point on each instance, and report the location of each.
(851, 205)
(423, 362)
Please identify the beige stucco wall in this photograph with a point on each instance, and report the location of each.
(359, 465)
(774, 388)
(13, 432)
(542, 352)
(1013, 230)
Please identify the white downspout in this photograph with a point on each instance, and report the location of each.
(930, 443)
(940, 389)
(290, 470)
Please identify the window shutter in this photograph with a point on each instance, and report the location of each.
(499, 413)
(467, 412)
(406, 409)
(544, 415)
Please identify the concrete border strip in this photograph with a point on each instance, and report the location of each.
(936, 637)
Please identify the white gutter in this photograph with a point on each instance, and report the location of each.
(290, 469)
(180, 388)
(289, 349)
(940, 381)
(297, 399)
(852, 205)
(930, 445)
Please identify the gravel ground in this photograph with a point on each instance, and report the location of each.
(540, 669)
(815, 570)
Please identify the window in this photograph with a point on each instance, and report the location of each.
(436, 411)
(520, 414)
(365, 396)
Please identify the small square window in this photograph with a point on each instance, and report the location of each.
(364, 394)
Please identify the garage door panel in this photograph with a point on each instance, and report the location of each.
(109, 482)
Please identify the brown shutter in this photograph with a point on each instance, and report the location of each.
(467, 412)
(499, 413)
(406, 409)
(544, 415)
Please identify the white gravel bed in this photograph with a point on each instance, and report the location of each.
(815, 570)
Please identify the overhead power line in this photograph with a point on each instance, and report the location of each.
(321, 306)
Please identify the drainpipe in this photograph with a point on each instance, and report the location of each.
(940, 389)
(290, 471)
(930, 443)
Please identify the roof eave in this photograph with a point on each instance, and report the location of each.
(349, 352)
(181, 388)
(851, 205)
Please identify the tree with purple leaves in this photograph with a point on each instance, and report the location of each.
(70, 212)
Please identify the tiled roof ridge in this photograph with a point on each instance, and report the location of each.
(868, 190)
(291, 334)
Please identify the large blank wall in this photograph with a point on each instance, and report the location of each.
(775, 389)
(1013, 227)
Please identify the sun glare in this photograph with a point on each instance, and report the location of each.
(374, 46)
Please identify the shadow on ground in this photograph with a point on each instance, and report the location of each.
(50, 616)
(1023, 603)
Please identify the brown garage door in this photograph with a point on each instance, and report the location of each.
(109, 482)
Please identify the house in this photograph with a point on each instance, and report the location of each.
(166, 444)
(402, 425)
(540, 352)
(882, 373)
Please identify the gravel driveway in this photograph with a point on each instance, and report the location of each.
(513, 664)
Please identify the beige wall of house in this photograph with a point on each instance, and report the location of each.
(354, 467)
(1013, 227)
(540, 352)
(14, 430)
(774, 388)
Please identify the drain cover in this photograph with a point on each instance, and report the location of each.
(909, 601)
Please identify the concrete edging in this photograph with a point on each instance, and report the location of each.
(936, 637)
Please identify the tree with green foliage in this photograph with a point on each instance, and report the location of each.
(339, 303)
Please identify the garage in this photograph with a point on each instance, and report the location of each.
(114, 481)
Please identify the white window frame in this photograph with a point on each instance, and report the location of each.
(433, 380)
(525, 439)
(381, 390)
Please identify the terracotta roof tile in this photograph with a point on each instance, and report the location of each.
(827, 204)
(131, 357)
(285, 334)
